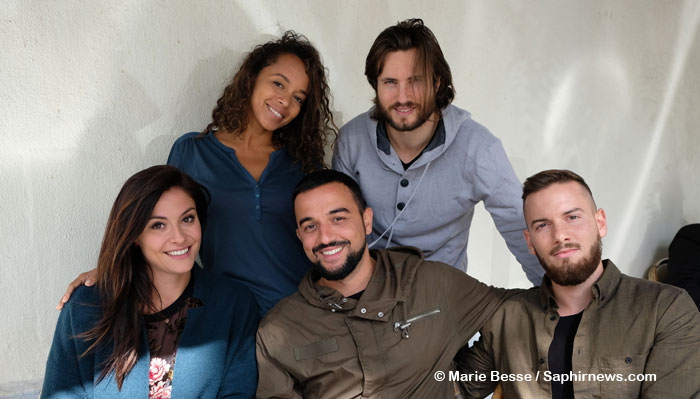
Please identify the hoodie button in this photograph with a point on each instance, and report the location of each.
(400, 206)
(403, 182)
(363, 310)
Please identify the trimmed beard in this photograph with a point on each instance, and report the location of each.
(348, 267)
(569, 274)
(422, 116)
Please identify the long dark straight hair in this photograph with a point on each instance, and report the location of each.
(124, 284)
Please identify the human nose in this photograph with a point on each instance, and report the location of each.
(326, 234)
(560, 233)
(284, 100)
(178, 235)
(405, 92)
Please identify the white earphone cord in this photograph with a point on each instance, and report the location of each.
(398, 215)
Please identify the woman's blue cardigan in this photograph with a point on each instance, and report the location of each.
(215, 355)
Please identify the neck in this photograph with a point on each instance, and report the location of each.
(249, 139)
(573, 299)
(167, 289)
(357, 280)
(410, 143)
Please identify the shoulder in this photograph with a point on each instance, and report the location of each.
(644, 290)
(460, 123)
(356, 127)
(278, 319)
(187, 139)
(83, 308)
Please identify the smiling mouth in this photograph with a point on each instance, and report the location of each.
(274, 112)
(332, 251)
(178, 252)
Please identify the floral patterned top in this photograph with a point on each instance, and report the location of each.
(164, 331)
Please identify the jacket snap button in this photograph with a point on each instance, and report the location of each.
(628, 360)
(380, 314)
(541, 361)
(363, 310)
(404, 183)
(400, 206)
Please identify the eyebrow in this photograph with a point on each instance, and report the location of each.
(332, 212)
(565, 213)
(164, 218)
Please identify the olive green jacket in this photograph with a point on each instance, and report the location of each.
(408, 324)
(631, 326)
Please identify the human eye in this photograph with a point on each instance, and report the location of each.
(189, 218)
(574, 217)
(277, 84)
(339, 218)
(309, 227)
(540, 226)
(299, 100)
(157, 226)
(389, 82)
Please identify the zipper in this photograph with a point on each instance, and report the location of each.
(404, 325)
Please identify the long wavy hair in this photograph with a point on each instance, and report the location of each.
(305, 137)
(124, 284)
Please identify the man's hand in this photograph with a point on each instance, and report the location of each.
(88, 278)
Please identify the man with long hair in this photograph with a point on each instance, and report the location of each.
(423, 163)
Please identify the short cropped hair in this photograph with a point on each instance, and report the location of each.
(546, 178)
(407, 35)
(325, 176)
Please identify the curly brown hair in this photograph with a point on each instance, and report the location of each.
(305, 137)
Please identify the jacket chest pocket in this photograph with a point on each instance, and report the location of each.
(622, 375)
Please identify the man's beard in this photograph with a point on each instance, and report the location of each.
(422, 116)
(348, 267)
(569, 274)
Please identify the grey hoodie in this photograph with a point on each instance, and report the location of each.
(463, 164)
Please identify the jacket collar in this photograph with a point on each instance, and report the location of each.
(391, 281)
(603, 288)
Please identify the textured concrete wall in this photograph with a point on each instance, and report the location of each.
(92, 92)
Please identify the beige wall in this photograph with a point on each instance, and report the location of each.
(91, 92)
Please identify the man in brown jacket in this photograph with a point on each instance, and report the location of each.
(365, 324)
(589, 331)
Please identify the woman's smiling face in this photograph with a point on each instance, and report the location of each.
(280, 90)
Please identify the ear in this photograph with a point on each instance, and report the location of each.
(367, 219)
(298, 234)
(601, 222)
(530, 248)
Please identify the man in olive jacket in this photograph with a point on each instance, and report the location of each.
(370, 324)
(588, 330)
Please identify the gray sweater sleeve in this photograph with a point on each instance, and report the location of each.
(501, 194)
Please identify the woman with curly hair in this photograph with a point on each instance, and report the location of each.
(268, 129)
(155, 326)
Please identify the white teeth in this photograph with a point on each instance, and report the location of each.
(274, 112)
(333, 252)
(179, 252)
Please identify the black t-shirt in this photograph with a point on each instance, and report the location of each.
(560, 352)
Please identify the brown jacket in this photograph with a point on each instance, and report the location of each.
(318, 344)
(631, 326)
